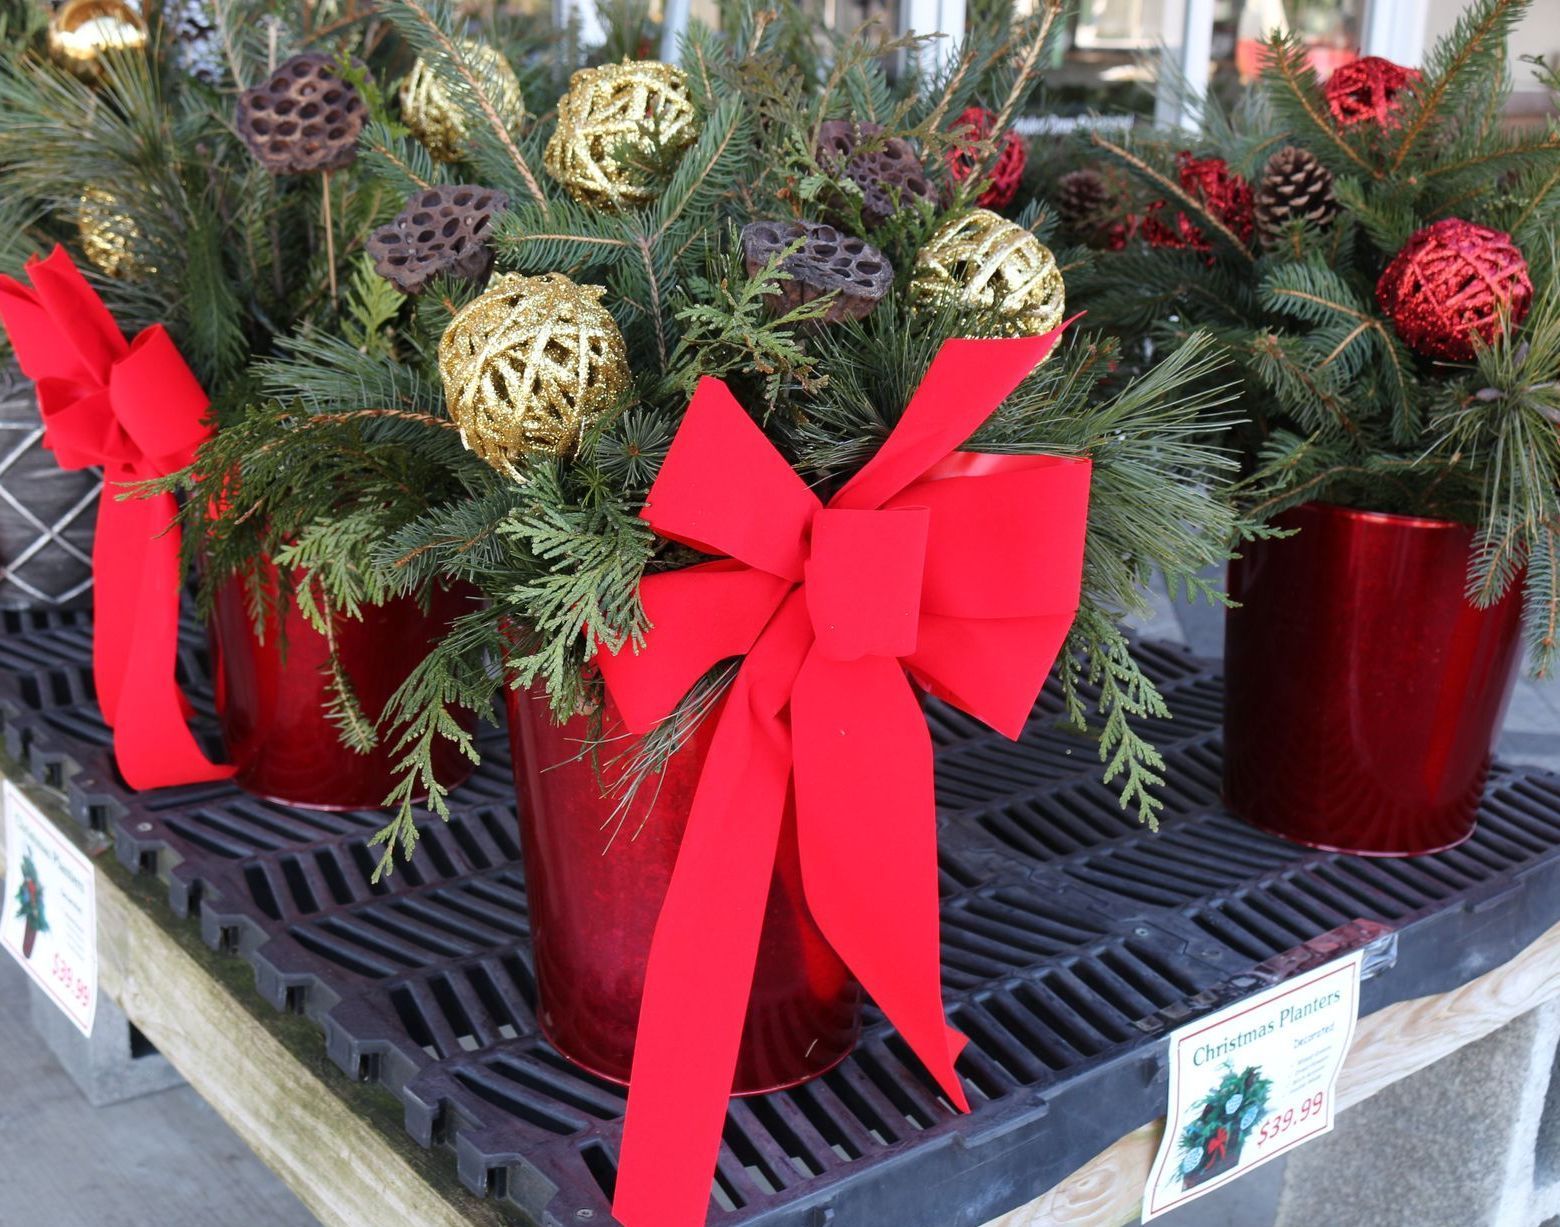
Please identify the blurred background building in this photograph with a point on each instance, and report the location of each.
(1111, 58)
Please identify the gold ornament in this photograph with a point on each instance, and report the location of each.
(80, 31)
(109, 237)
(982, 261)
(529, 365)
(642, 103)
(431, 113)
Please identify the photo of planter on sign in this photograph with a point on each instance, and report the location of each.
(1253, 1081)
(50, 919)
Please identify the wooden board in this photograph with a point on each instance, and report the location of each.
(341, 1146)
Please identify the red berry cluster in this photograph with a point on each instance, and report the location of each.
(1212, 184)
(1368, 90)
(1454, 281)
(976, 124)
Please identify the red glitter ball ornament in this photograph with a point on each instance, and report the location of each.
(1368, 89)
(1222, 192)
(976, 124)
(1452, 282)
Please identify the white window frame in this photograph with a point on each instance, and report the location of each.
(934, 17)
(592, 30)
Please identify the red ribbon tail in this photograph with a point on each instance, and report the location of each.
(867, 829)
(135, 645)
(690, 1021)
(116, 578)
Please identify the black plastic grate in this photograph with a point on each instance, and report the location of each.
(1072, 939)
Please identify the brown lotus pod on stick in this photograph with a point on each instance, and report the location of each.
(826, 261)
(442, 230)
(305, 118)
(886, 169)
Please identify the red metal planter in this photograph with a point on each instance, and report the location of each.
(595, 880)
(272, 698)
(1363, 692)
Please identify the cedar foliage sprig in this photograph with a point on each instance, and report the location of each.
(1340, 408)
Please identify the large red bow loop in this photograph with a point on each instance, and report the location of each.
(962, 570)
(137, 410)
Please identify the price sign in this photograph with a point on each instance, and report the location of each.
(49, 922)
(1253, 1081)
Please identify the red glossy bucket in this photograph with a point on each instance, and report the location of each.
(272, 698)
(595, 880)
(1363, 692)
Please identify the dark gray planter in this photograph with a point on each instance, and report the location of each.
(46, 514)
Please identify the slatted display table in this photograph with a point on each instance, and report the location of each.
(375, 1043)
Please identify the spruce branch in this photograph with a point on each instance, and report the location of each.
(428, 26)
(1293, 85)
(1479, 35)
(1541, 601)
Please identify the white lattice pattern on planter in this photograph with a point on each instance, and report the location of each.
(46, 513)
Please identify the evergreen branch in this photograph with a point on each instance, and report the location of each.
(1468, 41)
(377, 143)
(1291, 296)
(434, 33)
(320, 420)
(343, 708)
(1101, 655)
(1289, 66)
(1489, 158)
(1023, 78)
(724, 130)
(1498, 556)
(1541, 603)
(1536, 199)
(1300, 492)
(653, 307)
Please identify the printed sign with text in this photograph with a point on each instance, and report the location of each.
(1253, 1081)
(50, 919)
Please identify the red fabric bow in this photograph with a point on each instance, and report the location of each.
(137, 410)
(963, 569)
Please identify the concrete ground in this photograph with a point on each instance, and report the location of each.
(167, 1160)
(163, 1160)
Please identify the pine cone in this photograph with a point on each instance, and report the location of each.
(1295, 187)
(1083, 198)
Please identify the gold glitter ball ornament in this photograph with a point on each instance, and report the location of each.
(981, 261)
(81, 31)
(110, 239)
(431, 113)
(642, 103)
(529, 365)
